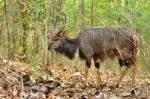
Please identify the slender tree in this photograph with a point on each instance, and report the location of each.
(119, 9)
(75, 16)
(83, 14)
(24, 23)
(7, 28)
(129, 14)
(92, 12)
(36, 34)
(48, 4)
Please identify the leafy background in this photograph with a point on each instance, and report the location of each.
(24, 25)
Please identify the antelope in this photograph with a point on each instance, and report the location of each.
(100, 44)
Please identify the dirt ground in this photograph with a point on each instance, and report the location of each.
(20, 81)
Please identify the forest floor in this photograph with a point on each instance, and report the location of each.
(20, 81)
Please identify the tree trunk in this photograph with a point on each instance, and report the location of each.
(75, 17)
(129, 17)
(24, 18)
(47, 61)
(14, 43)
(36, 34)
(109, 11)
(7, 29)
(119, 9)
(83, 14)
(92, 4)
(1, 35)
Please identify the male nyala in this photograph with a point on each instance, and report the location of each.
(100, 44)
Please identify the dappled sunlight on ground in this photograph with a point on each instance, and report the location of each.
(19, 80)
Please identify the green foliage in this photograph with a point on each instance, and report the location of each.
(134, 14)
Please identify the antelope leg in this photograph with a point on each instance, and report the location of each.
(86, 74)
(121, 77)
(98, 77)
(97, 66)
(133, 75)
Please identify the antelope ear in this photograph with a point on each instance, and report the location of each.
(64, 33)
(49, 35)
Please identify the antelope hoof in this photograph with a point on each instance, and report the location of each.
(85, 84)
(101, 86)
(133, 92)
(117, 86)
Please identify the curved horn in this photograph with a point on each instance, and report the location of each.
(64, 26)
